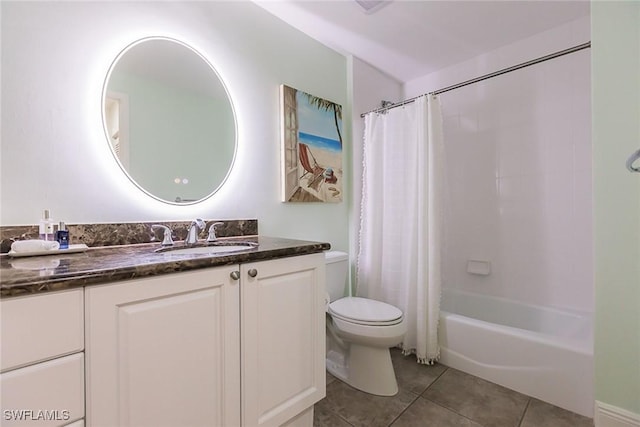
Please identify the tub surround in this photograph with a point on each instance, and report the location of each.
(24, 276)
(94, 235)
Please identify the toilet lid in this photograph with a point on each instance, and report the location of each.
(365, 310)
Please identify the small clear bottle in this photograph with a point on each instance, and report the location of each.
(62, 236)
(47, 227)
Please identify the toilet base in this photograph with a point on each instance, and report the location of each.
(368, 369)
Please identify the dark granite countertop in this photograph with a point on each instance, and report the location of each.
(30, 275)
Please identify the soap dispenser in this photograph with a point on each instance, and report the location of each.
(46, 229)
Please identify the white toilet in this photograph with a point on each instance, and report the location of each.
(359, 333)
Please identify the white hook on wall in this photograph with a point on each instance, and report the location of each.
(635, 156)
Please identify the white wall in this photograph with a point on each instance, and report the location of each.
(518, 164)
(55, 56)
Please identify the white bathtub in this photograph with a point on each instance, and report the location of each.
(542, 352)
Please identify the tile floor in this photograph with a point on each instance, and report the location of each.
(437, 396)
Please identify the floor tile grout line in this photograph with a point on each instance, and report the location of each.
(418, 395)
(446, 368)
(452, 410)
(529, 398)
(526, 408)
(350, 386)
(405, 409)
(338, 415)
(331, 410)
(342, 418)
(440, 404)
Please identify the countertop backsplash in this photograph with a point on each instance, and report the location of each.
(97, 235)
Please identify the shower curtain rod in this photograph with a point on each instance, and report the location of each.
(484, 77)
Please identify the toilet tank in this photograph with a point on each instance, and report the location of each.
(337, 274)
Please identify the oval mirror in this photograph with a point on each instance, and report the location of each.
(169, 120)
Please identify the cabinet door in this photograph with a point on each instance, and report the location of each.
(283, 338)
(164, 351)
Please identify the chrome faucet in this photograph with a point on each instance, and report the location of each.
(212, 232)
(166, 234)
(193, 230)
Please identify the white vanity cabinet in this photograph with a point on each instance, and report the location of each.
(209, 347)
(283, 340)
(164, 351)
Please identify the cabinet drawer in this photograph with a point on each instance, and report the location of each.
(45, 394)
(41, 327)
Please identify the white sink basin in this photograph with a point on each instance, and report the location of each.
(208, 250)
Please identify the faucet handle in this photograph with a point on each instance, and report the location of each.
(212, 232)
(199, 223)
(166, 234)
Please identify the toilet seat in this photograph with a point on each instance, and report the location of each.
(363, 311)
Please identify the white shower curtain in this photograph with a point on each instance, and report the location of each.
(401, 218)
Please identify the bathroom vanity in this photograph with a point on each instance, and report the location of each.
(145, 338)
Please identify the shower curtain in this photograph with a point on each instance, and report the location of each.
(401, 218)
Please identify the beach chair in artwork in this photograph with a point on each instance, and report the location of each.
(314, 169)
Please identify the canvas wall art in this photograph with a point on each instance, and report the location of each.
(311, 147)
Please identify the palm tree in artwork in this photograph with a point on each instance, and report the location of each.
(323, 104)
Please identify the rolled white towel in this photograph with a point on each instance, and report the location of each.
(25, 246)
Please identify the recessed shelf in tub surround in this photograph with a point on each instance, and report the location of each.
(26, 276)
(96, 235)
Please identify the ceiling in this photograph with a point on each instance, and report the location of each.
(408, 39)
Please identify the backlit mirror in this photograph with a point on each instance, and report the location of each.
(169, 120)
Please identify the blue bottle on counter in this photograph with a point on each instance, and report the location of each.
(62, 236)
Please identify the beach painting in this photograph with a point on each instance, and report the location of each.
(311, 147)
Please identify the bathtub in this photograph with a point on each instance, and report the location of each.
(541, 352)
